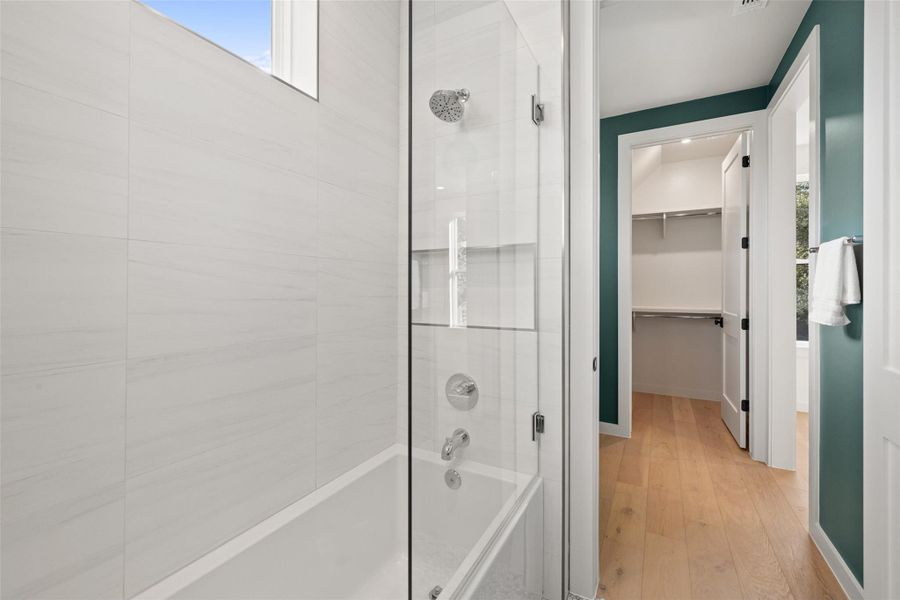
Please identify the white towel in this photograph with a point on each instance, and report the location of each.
(836, 283)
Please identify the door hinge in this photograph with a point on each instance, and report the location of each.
(537, 425)
(537, 110)
(745, 405)
(745, 324)
(745, 242)
(745, 161)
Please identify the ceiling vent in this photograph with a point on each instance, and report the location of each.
(744, 6)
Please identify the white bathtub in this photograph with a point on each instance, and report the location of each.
(347, 540)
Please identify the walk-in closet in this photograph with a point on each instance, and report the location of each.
(677, 269)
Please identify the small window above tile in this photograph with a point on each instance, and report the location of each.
(279, 37)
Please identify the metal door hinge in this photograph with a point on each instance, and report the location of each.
(537, 425)
(745, 405)
(745, 242)
(537, 110)
(745, 161)
(745, 324)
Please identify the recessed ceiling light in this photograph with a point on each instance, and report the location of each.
(686, 141)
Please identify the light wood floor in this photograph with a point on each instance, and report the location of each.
(685, 513)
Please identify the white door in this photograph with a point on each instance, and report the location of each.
(881, 302)
(735, 195)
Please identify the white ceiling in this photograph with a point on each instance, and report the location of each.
(646, 160)
(658, 52)
(716, 146)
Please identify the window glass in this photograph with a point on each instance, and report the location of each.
(243, 27)
(278, 36)
(802, 259)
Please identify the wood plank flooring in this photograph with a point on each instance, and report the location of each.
(685, 513)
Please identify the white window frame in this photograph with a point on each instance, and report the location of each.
(295, 44)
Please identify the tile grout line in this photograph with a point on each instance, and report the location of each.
(127, 308)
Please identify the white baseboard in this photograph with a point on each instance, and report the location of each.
(666, 390)
(615, 429)
(840, 569)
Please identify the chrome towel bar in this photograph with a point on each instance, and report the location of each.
(855, 240)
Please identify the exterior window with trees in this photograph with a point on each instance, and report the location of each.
(802, 261)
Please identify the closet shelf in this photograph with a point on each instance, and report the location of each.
(662, 217)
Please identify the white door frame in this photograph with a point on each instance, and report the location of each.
(782, 341)
(754, 122)
(881, 409)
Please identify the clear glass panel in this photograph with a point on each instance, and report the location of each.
(474, 274)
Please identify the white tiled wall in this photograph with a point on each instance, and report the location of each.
(199, 286)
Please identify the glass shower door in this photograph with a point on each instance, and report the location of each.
(473, 285)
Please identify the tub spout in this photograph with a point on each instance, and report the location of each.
(459, 439)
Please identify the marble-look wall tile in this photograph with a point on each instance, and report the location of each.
(63, 447)
(190, 298)
(468, 31)
(64, 164)
(350, 430)
(182, 510)
(356, 158)
(182, 405)
(234, 359)
(188, 191)
(63, 300)
(361, 81)
(352, 363)
(76, 49)
(356, 226)
(355, 295)
(182, 83)
(424, 391)
(370, 29)
(357, 410)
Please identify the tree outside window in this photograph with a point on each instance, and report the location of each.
(802, 259)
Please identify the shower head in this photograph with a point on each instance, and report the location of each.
(448, 105)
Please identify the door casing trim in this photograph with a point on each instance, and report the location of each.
(756, 123)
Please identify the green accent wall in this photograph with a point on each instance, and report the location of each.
(610, 130)
(841, 150)
(841, 121)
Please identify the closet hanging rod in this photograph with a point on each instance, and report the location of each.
(716, 318)
(675, 214)
(674, 316)
(853, 240)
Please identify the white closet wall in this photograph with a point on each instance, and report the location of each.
(680, 185)
(681, 270)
